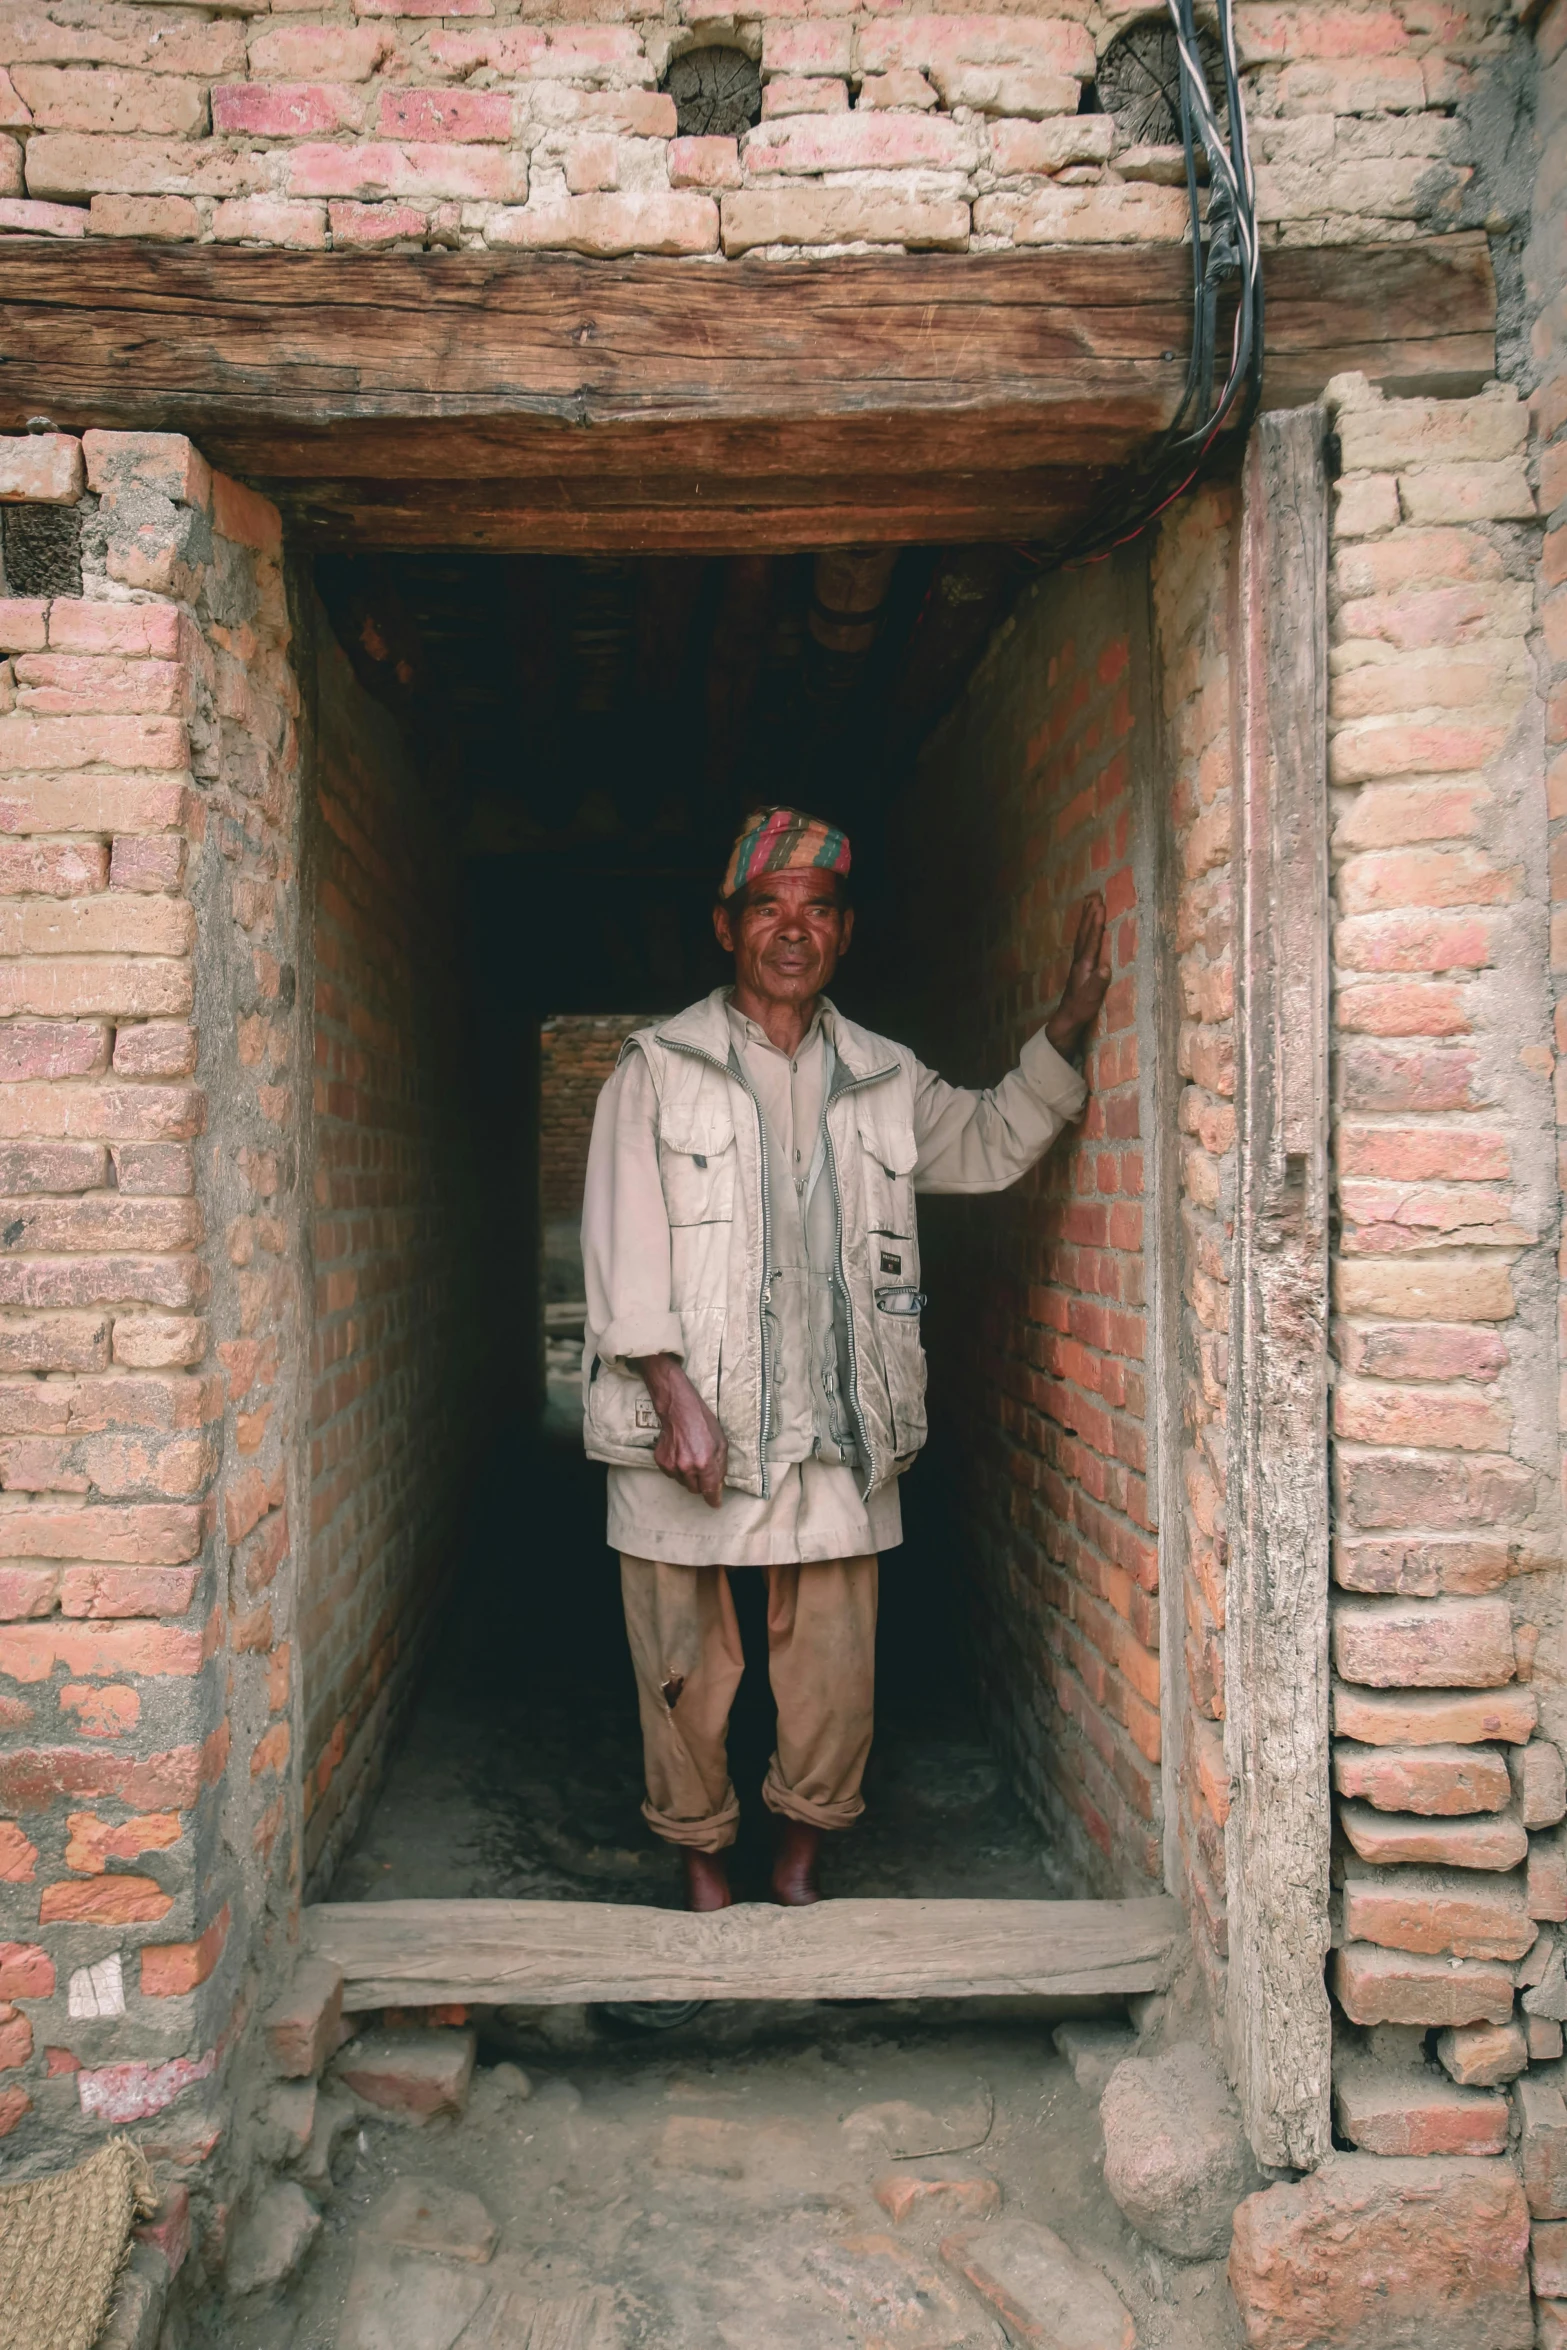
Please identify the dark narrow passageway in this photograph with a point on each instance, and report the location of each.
(584, 736)
(520, 1774)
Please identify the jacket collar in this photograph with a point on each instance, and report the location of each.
(704, 1028)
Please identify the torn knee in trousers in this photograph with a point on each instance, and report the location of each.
(670, 1688)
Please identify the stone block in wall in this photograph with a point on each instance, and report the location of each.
(1375, 2253)
(1437, 1644)
(1471, 1914)
(1436, 1781)
(1483, 2056)
(1539, 1779)
(41, 469)
(1542, 2144)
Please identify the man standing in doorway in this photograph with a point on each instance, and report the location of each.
(753, 1371)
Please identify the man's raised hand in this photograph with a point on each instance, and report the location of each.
(1087, 982)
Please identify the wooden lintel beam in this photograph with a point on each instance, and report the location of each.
(545, 402)
(543, 1953)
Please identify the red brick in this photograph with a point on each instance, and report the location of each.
(446, 114)
(1438, 1644)
(16, 2038)
(105, 1901)
(1385, 1986)
(26, 1972)
(1480, 2056)
(1547, 1877)
(94, 1842)
(18, 1857)
(1438, 1910)
(301, 2025)
(169, 1969)
(1488, 1840)
(1442, 1781)
(710, 163)
(1386, 2111)
(1540, 1783)
(411, 2075)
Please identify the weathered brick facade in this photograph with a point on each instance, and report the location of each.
(374, 127)
(153, 1312)
(193, 1706)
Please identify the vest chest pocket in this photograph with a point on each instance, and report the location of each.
(887, 1155)
(696, 1164)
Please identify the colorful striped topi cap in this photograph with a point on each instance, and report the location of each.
(783, 840)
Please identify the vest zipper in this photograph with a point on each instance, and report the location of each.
(731, 1068)
(837, 1093)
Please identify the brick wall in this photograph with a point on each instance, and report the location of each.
(1191, 591)
(399, 1354)
(373, 127)
(149, 1301)
(577, 1056)
(1038, 1315)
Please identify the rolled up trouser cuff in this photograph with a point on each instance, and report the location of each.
(791, 1806)
(713, 1834)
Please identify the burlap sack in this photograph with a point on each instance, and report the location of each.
(63, 2242)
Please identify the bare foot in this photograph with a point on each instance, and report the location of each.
(707, 1882)
(794, 1865)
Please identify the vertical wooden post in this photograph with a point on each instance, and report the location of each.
(1276, 1632)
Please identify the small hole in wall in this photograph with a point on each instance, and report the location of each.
(1139, 83)
(717, 92)
(42, 550)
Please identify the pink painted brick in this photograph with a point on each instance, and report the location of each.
(20, 218)
(42, 468)
(477, 115)
(704, 163)
(337, 53)
(24, 624)
(360, 226)
(513, 51)
(592, 165)
(269, 220)
(168, 219)
(245, 518)
(82, 163)
(946, 43)
(424, 7)
(76, 626)
(287, 110)
(859, 142)
(902, 87)
(607, 225)
(375, 169)
(795, 94)
(808, 48)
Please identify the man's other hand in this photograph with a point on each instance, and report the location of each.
(691, 1447)
(1087, 981)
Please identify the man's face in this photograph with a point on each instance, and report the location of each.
(788, 937)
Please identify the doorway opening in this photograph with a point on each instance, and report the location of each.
(529, 770)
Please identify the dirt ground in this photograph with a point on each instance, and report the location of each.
(722, 2198)
(711, 2187)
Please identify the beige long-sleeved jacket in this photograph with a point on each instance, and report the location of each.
(675, 1224)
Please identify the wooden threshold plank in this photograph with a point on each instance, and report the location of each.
(555, 1953)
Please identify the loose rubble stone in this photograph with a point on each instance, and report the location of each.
(336, 2113)
(271, 2242)
(913, 2132)
(892, 2298)
(1548, 2259)
(1385, 2110)
(948, 2189)
(1176, 2157)
(1370, 2253)
(397, 2301)
(301, 2025)
(410, 2075)
(1478, 2056)
(420, 2215)
(1042, 2292)
(1544, 2036)
(1542, 2144)
(1093, 2049)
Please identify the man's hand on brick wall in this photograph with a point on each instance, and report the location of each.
(1087, 981)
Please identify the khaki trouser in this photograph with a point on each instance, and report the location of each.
(821, 1660)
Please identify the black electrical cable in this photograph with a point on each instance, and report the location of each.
(1224, 247)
